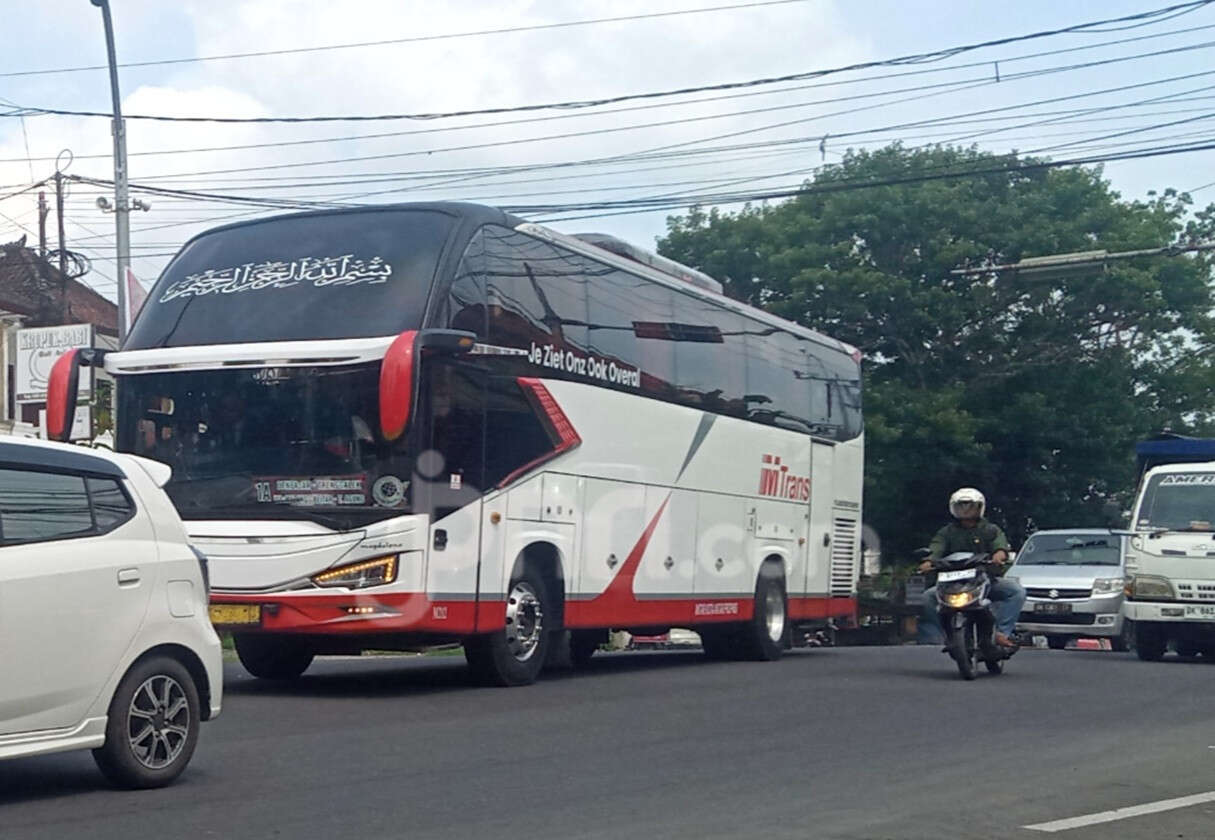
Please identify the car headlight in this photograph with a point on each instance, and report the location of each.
(360, 575)
(1147, 586)
(960, 599)
(1108, 586)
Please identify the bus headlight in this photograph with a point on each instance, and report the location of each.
(360, 575)
(1147, 586)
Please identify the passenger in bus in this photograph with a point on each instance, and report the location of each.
(971, 532)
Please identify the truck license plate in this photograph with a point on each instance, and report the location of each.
(1200, 611)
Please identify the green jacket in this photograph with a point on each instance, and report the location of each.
(984, 537)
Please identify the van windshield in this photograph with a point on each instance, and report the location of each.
(1183, 501)
(1071, 550)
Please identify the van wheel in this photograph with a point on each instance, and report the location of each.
(152, 725)
(267, 657)
(515, 654)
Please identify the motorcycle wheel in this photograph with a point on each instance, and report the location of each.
(962, 649)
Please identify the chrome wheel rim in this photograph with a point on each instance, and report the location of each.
(774, 609)
(524, 621)
(158, 722)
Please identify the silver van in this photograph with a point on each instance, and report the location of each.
(1074, 580)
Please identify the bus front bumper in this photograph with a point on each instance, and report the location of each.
(352, 613)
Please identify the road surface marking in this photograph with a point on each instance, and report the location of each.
(1123, 813)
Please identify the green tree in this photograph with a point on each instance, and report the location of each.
(1032, 387)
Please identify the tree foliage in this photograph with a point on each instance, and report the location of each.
(1033, 387)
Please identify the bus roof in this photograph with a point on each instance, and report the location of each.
(478, 214)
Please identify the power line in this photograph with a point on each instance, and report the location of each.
(836, 83)
(1140, 19)
(840, 186)
(664, 123)
(410, 40)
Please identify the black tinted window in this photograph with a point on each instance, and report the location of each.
(111, 507)
(778, 389)
(37, 506)
(515, 435)
(710, 357)
(306, 277)
(536, 292)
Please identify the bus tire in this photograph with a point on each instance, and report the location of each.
(763, 638)
(279, 658)
(515, 654)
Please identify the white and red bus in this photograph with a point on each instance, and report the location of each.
(431, 423)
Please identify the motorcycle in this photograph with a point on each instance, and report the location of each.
(964, 609)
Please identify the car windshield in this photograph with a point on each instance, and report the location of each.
(1182, 501)
(286, 441)
(1071, 550)
(285, 278)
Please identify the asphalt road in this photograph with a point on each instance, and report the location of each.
(828, 743)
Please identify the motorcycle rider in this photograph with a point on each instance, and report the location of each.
(971, 532)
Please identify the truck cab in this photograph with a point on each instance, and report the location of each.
(1170, 563)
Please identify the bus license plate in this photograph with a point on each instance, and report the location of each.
(960, 574)
(236, 614)
(1200, 611)
(1050, 608)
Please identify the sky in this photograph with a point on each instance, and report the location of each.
(699, 145)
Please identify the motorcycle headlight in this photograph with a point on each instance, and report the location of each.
(1148, 586)
(1108, 586)
(960, 599)
(360, 575)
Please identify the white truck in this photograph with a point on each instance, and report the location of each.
(1170, 563)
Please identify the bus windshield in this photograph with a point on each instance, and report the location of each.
(1179, 502)
(284, 279)
(300, 442)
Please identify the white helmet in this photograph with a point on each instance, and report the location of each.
(966, 496)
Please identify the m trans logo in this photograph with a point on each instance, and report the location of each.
(776, 481)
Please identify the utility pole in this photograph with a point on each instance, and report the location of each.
(63, 278)
(122, 210)
(43, 210)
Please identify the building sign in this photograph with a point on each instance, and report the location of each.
(38, 349)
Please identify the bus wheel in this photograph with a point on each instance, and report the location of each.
(272, 657)
(763, 637)
(515, 654)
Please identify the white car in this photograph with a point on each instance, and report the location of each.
(105, 641)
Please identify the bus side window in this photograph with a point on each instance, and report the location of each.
(463, 306)
(536, 292)
(514, 435)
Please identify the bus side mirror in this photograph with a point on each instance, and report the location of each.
(62, 387)
(400, 368)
